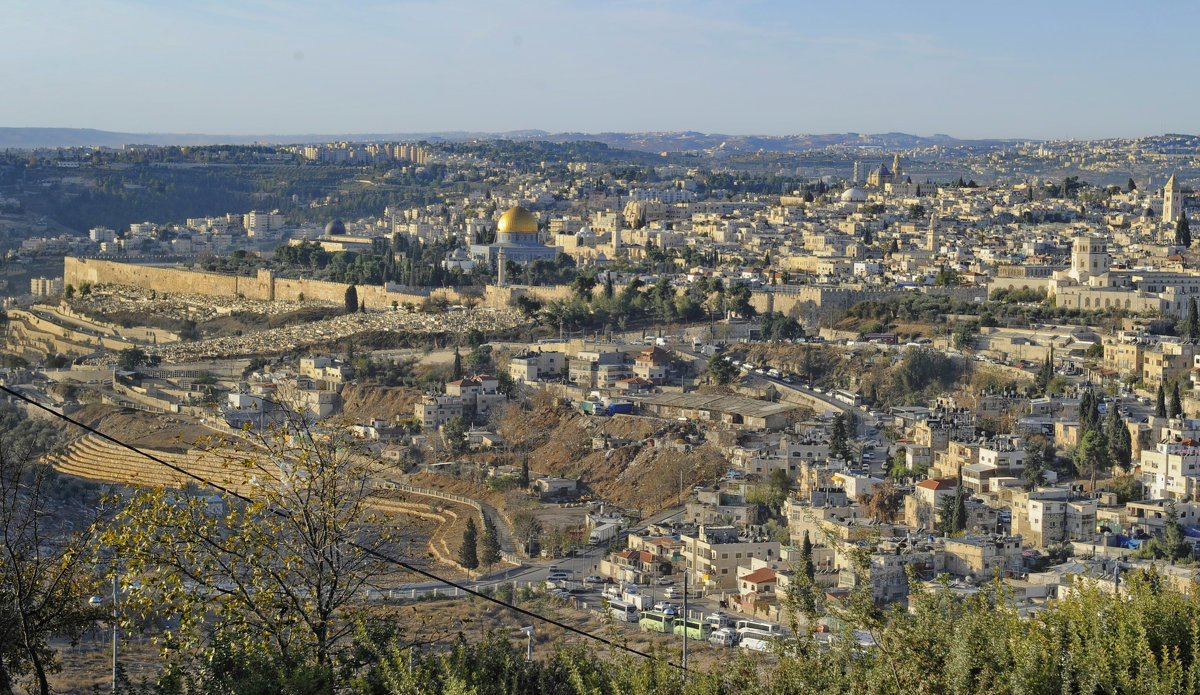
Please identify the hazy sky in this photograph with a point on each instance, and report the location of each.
(1039, 69)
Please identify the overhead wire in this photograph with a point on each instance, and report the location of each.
(367, 550)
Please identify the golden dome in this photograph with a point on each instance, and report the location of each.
(517, 220)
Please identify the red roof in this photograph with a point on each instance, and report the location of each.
(761, 575)
(935, 484)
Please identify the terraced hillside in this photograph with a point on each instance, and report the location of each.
(94, 458)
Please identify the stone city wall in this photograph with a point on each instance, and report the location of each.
(266, 287)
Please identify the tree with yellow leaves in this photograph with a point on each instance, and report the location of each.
(281, 567)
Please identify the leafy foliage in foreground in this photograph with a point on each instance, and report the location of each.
(1091, 642)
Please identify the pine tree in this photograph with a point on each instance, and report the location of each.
(1160, 403)
(458, 365)
(1175, 406)
(351, 299)
(489, 543)
(468, 556)
(1183, 231)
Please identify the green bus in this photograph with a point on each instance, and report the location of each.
(656, 621)
(697, 628)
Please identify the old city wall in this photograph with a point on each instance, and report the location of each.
(77, 271)
(265, 286)
(799, 299)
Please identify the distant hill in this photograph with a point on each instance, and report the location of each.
(33, 138)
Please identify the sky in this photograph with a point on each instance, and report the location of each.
(1018, 69)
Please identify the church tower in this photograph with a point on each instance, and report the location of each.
(1172, 200)
(896, 167)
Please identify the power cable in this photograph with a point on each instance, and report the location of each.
(369, 551)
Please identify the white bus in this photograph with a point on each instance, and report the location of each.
(760, 626)
(623, 610)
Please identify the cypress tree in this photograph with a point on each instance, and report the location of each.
(525, 472)
(1160, 403)
(1191, 325)
(468, 556)
(351, 299)
(1183, 231)
(807, 566)
(1175, 406)
(1120, 442)
(960, 507)
(458, 365)
(489, 543)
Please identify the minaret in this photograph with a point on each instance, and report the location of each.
(856, 178)
(1172, 200)
(500, 263)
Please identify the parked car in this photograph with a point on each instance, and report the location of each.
(674, 592)
(558, 576)
(594, 579)
(664, 581)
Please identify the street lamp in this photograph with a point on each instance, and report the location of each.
(115, 600)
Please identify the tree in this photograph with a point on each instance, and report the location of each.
(279, 568)
(807, 567)
(1034, 472)
(131, 358)
(454, 432)
(468, 554)
(883, 502)
(1130, 186)
(351, 299)
(44, 583)
(458, 365)
(1089, 412)
(1160, 403)
(960, 506)
(1120, 442)
(526, 528)
(1045, 373)
(773, 491)
(739, 301)
(839, 445)
(720, 370)
(525, 472)
(1091, 457)
(68, 291)
(582, 286)
(916, 211)
(1183, 231)
(1175, 405)
(608, 286)
(1190, 329)
(489, 543)
(1174, 540)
